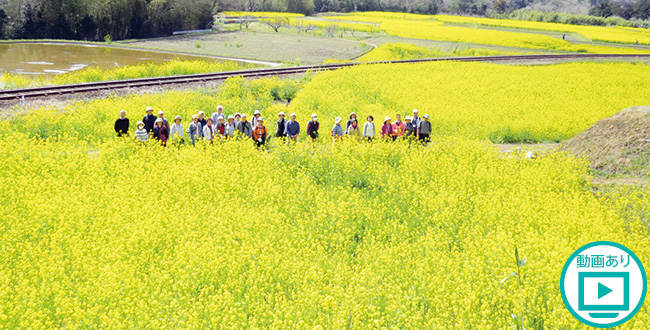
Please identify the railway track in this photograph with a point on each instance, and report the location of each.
(35, 92)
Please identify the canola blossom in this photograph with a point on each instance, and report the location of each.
(104, 232)
(403, 51)
(426, 27)
(502, 103)
(595, 33)
(171, 68)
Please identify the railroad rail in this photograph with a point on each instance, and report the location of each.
(14, 94)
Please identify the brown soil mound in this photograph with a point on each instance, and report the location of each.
(619, 144)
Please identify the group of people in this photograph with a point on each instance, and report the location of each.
(220, 127)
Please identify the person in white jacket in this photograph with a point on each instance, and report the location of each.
(230, 127)
(369, 129)
(208, 131)
(176, 132)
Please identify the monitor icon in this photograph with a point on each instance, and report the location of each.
(604, 293)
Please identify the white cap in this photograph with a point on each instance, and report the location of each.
(415, 110)
(387, 118)
(220, 107)
(337, 120)
(257, 112)
(149, 109)
(159, 120)
(281, 113)
(314, 115)
(407, 118)
(195, 117)
(161, 112)
(139, 123)
(426, 116)
(243, 115)
(201, 113)
(293, 114)
(231, 117)
(177, 118)
(260, 119)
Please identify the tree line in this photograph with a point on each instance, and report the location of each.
(127, 19)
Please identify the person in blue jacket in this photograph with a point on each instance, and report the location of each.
(293, 128)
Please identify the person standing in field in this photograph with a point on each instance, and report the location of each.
(194, 128)
(353, 116)
(312, 127)
(141, 133)
(353, 129)
(161, 115)
(230, 127)
(208, 131)
(387, 130)
(149, 120)
(176, 131)
(256, 115)
(220, 128)
(122, 124)
(281, 130)
(369, 129)
(410, 130)
(219, 113)
(202, 122)
(424, 130)
(398, 126)
(337, 130)
(237, 119)
(415, 119)
(245, 127)
(259, 133)
(161, 132)
(293, 128)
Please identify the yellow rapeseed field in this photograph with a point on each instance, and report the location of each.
(595, 33)
(502, 103)
(403, 51)
(426, 27)
(104, 232)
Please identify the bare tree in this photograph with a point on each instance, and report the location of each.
(246, 21)
(276, 23)
(330, 30)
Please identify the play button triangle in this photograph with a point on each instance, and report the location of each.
(603, 290)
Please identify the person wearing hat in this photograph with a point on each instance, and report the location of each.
(337, 130)
(256, 115)
(409, 129)
(353, 116)
(161, 115)
(141, 133)
(203, 122)
(149, 120)
(259, 133)
(312, 127)
(219, 113)
(161, 132)
(176, 131)
(369, 129)
(208, 130)
(387, 130)
(353, 129)
(230, 127)
(122, 124)
(415, 119)
(293, 128)
(281, 130)
(220, 128)
(194, 128)
(424, 130)
(398, 126)
(245, 127)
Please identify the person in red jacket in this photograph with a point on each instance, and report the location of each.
(259, 132)
(161, 132)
